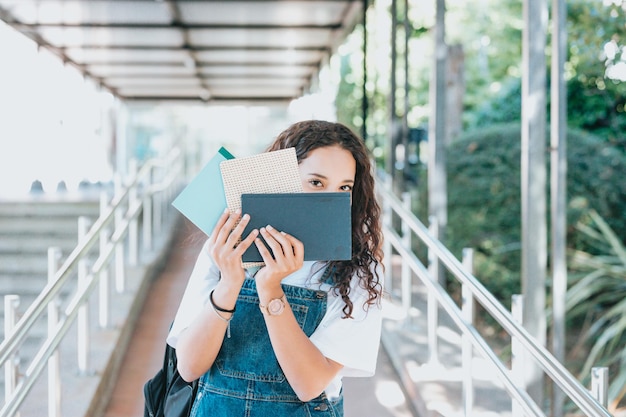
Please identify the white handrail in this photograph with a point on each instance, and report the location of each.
(552, 367)
(127, 210)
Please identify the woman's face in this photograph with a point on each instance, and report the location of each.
(328, 169)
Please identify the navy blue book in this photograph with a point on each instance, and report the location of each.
(321, 221)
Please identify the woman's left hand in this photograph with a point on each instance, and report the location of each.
(288, 256)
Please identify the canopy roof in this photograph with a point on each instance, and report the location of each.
(245, 51)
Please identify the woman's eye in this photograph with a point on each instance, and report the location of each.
(346, 188)
(316, 183)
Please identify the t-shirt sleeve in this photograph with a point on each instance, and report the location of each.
(203, 279)
(352, 342)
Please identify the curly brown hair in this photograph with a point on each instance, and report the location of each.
(367, 254)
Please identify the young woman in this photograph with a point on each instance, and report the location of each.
(277, 343)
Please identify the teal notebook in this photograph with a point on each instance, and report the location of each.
(203, 200)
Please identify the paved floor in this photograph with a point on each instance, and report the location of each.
(380, 396)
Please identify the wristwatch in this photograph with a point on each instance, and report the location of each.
(275, 307)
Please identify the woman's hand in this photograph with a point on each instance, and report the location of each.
(223, 247)
(288, 257)
(199, 344)
(305, 367)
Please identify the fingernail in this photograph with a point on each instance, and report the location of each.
(226, 210)
(246, 216)
(269, 227)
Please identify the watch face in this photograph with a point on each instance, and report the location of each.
(275, 307)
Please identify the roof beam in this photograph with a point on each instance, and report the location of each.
(177, 25)
(203, 48)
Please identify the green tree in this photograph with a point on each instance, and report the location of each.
(487, 162)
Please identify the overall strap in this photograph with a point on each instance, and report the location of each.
(327, 276)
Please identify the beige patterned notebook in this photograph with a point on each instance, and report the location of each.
(269, 172)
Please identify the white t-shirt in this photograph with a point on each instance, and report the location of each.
(351, 342)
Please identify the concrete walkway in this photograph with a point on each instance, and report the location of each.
(434, 383)
(380, 396)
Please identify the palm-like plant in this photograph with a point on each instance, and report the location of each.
(597, 296)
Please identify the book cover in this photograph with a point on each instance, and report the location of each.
(321, 221)
(268, 172)
(203, 200)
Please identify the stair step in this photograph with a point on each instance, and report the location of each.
(34, 207)
(28, 263)
(62, 225)
(22, 243)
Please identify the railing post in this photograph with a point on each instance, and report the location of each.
(433, 307)
(11, 303)
(133, 231)
(600, 384)
(467, 310)
(147, 222)
(83, 312)
(54, 362)
(517, 351)
(103, 284)
(119, 246)
(147, 211)
(157, 204)
(407, 287)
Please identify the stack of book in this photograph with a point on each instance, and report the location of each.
(267, 186)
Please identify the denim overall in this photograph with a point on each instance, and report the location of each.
(246, 379)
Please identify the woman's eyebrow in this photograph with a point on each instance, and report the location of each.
(315, 174)
(347, 180)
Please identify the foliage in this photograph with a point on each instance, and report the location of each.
(506, 107)
(597, 295)
(597, 47)
(484, 208)
(491, 34)
(595, 102)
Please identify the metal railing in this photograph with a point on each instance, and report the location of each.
(144, 197)
(591, 403)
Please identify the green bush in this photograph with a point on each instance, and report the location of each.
(596, 305)
(484, 208)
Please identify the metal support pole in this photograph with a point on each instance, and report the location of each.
(437, 175)
(467, 352)
(533, 183)
(393, 134)
(11, 303)
(54, 362)
(558, 185)
(407, 287)
(433, 307)
(103, 284)
(600, 384)
(83, 311)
